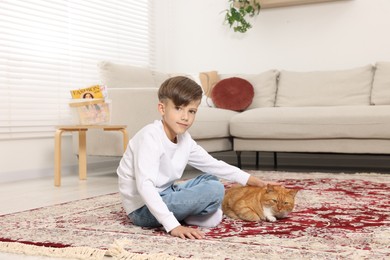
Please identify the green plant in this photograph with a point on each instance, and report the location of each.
(239, 11)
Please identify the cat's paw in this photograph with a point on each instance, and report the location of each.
(271, 218)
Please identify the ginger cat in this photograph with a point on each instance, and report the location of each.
(252, 203)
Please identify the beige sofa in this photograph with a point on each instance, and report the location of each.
(133, 93)
(343, 111)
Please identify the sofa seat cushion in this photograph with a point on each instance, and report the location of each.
(336, 145)
(313, 122)
(211, 123)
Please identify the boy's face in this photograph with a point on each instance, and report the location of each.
(177, 119)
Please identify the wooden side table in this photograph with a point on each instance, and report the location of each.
(82, 129)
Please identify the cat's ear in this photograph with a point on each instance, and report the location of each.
(293, 192)
(270, 188)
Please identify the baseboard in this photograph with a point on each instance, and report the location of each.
(106, 165)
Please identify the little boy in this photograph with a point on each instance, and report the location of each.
(156, 158)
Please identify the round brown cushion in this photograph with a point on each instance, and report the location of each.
(233, 93)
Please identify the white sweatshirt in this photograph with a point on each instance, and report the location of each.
(152, 163)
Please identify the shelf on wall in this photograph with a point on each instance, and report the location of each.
(281, 3)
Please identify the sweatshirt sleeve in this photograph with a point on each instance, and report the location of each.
(203, 161)
(146, 169)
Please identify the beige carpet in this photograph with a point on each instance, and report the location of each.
(337, 216)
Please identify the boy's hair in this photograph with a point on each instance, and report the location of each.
(181, 90)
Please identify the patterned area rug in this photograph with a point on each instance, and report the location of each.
(337, 216)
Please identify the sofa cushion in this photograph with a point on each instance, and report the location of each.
(380, 94)
(312, 122)
(208, 80)
(325, 88)
(125, 76)
(233, 94)
(264, 85)
(211, 123)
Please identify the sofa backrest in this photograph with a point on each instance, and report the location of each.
(325, 88)
(358, 86)
(380, 94)
(126, 76)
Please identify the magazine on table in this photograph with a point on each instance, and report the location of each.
(92, 92)
(90, 105)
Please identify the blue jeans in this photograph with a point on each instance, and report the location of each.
(202, 195)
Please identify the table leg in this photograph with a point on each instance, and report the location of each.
(57, 158)
(125, 138)
(82, 154)
(125, 135)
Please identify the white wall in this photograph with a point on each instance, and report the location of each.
(192, 38)
(333, 35)
(31, 157)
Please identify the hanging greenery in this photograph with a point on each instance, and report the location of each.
(238, 12)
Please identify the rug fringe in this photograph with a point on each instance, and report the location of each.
(117, 251)
(66, 252)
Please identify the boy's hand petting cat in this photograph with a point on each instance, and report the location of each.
(186, 232)
(254, 181)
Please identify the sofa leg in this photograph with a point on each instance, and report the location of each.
(238, 153)
(275, 160)
(257, 160)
